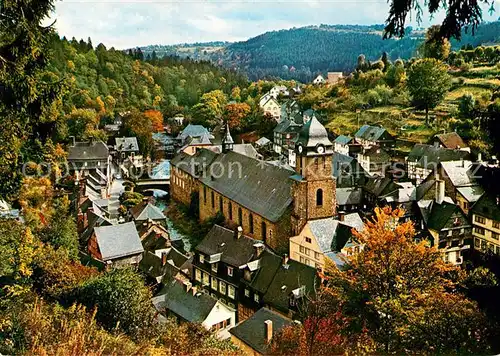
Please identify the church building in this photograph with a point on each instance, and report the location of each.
(270, 203)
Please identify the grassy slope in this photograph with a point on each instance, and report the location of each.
(412, 120)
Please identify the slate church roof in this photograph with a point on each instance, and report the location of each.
(256, 185)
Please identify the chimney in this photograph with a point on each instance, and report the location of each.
(187, 285)
(269, 330)
(92, 140)
(73, 141)
(341, 215)
(462, 162)
(259, 248)
(163, 258)
(238, 232)
(285, 259)
(194, 290)
(439, 191)
(479, 157)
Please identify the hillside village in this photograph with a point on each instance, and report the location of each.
(356, 213)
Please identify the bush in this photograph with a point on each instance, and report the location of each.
(123, 301)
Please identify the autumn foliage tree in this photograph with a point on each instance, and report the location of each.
(236, 113)
(396, 296)
(156, 118)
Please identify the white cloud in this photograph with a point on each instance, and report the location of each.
(129, 23)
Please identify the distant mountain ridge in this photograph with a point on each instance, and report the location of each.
(302, 53)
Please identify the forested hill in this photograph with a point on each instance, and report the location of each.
(301, 53)
(109, 80)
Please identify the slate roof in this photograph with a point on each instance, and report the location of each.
(440, 214)
(193, 131)
(126, 144)
(371, 133)
(487, 206)
(349, 196)
(313, 133)
(192, 308)
(186, 163)
(252, 331)
(287, 125)
(343, 140)
(423, 155)
(95, 151)
(331, 234)
(262, 141)
(245, 149)
(404, 192)
(337, 257)
(151, 263)
(262, 188)
(472, 193)
(460, 173)
(377, 155)
(117, 241)
(94, 220)
(234, 251)
(145, 211)
(424, 187)
(262, 278)
(288, 278)
(347, 170)
(451, 140)
(379, 186)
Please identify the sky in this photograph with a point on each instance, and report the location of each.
(130, 23)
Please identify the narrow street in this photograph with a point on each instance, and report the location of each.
(117, 189)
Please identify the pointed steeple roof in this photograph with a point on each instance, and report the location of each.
(227, 135)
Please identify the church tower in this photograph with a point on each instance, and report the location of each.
(227, 140)
(313, 190)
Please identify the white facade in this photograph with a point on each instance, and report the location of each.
(319, 80)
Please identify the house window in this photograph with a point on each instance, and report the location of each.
(308, 240)
(495, 236)
(206, 279)
(230, 291)
(483, 245)
(250, 223)
(317, 255)
(256, 298)
(301, 259)
(301, 249)
(205, 195)
(202, 259)
(240, 217)
(214, 283)
(319, 197)
(263, 228)
(476, 243)
(307, 262)
(222, 287)
(307, 251)
(213, 199)
(197, 273)
(479, 219)
(230, 208)
(230, 271)
(215, 266)
(221, 205)
(479, 230)
(247, 293)
(496, 225)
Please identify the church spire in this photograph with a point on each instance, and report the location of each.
(227, 141)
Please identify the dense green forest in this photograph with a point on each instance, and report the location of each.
(302, 53)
